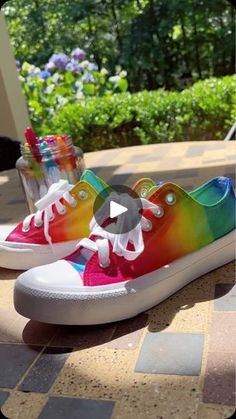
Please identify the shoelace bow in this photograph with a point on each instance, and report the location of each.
(119, 242)
(45, 213)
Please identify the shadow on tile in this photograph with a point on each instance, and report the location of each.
(121, 335)
(219, 384)
(12, 327)
(225, 297)
(8, 274)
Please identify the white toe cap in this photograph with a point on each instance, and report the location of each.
(55, 277)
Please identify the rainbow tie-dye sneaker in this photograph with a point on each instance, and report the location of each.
(52, 233)
(110, 277)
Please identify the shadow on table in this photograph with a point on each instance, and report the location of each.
(187, 178)
(126, 334)
(8, 274)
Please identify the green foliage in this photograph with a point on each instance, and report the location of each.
(203, 112)
(48, 92)
(160, 43)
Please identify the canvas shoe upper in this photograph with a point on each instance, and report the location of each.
(62, 218)
(110, 277)
(177, 224)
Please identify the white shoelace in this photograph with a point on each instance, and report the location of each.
(119, 241)
(45, 213)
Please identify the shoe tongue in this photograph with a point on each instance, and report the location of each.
(98, 184)
(145, 187)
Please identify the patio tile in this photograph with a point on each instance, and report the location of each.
(159, 397)
(219, 145)
(206, 411)
(20, 405)
(171, 353)
(195, 150)
(185, 311)
(219, 385)
(223, 332)
(44, 372)
(104, 158)
(3, 397)
(61, 407)
(140, 158)
(14, 362)
(225, 297)
(128, 333)
(96, 373)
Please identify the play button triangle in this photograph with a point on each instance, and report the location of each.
(116, 209)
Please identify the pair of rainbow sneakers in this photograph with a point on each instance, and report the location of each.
(78, 273)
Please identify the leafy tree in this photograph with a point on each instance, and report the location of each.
(160, 43)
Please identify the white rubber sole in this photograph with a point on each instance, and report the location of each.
(23, 256)
(105, 304)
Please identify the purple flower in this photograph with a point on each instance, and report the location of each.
(92, 67)
(17, 64)
(59, 60)
(50, 66)
(44, 75)
(88, 78)
(78, 54)
(69, 66)
(74, 67)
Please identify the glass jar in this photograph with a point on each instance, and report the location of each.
(51, 160)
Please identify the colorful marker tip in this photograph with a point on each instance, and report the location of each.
(30, 136)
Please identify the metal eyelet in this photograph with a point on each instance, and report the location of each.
(170, 198)
(147, 226)
(52, 218)
(83, 194)
(38, 225)
(105, 265)
(158, 212)
(25, 230)
(143, 192)
(62, 212)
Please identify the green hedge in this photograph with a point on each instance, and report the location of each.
(204, 111)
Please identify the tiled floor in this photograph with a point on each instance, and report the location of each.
(174, 361)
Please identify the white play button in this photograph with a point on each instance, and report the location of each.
(116, 209)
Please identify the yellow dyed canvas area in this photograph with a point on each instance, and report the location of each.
(69, 228)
